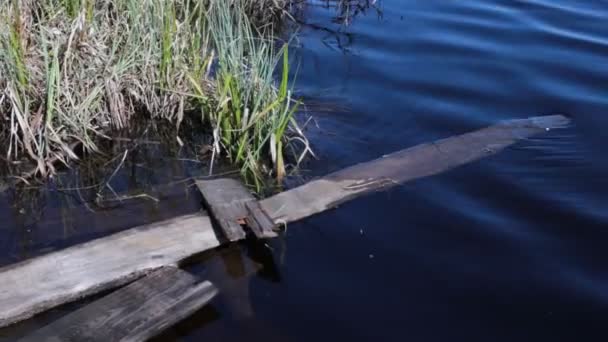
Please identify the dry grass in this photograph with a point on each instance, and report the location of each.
(72, 70)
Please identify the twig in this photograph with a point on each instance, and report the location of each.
(122, 161)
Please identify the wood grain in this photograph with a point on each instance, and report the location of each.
(259, 221)
(41, 283)
(137, 312)
(403, 166)
(232, 205)
(225, 199)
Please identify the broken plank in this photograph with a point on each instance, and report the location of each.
(137, 312)
(225, 199)
(60, 277)
(406, 165)
(232, 206)
(44, 282)
(259, 221)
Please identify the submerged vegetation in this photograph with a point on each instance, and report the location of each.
(71, 71)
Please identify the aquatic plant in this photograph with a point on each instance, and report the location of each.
(73, 70)
(250, 114)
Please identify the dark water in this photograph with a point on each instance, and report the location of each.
(511, 248)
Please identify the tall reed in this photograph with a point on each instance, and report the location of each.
(72, 70)
(251, 114)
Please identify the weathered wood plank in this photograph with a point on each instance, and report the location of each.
(413, 163)
(232, 205)
(137, 312)
(259, 222)
(44, 282)
(225, 198)
(57, 278)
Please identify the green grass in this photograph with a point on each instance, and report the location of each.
(251, 114)
(71, 71)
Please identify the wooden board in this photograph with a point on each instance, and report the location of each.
(57, 278)
(232, 205)
(259, 221)
(224, 198)
(137, 312)
(44, 282)
(406, 165)
(50, 228)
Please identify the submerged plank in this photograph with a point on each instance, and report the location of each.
(41, 283)
(137, 312)
(409, 164)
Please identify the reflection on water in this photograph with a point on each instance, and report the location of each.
(232, 269)
(342, 13)
(509, 248)
(140, 177)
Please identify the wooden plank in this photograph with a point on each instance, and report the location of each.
(259, 222)
(53, 228)
(47, 281)
(406, 165)
(134, 313)
(225, 199)
(57, 278)
(232, 206)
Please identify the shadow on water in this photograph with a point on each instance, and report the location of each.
(509, 248)
(232, 269)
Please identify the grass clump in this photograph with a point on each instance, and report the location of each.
(73, 70)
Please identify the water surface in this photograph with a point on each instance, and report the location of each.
(511, 248)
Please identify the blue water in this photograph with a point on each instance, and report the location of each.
(510, 248)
